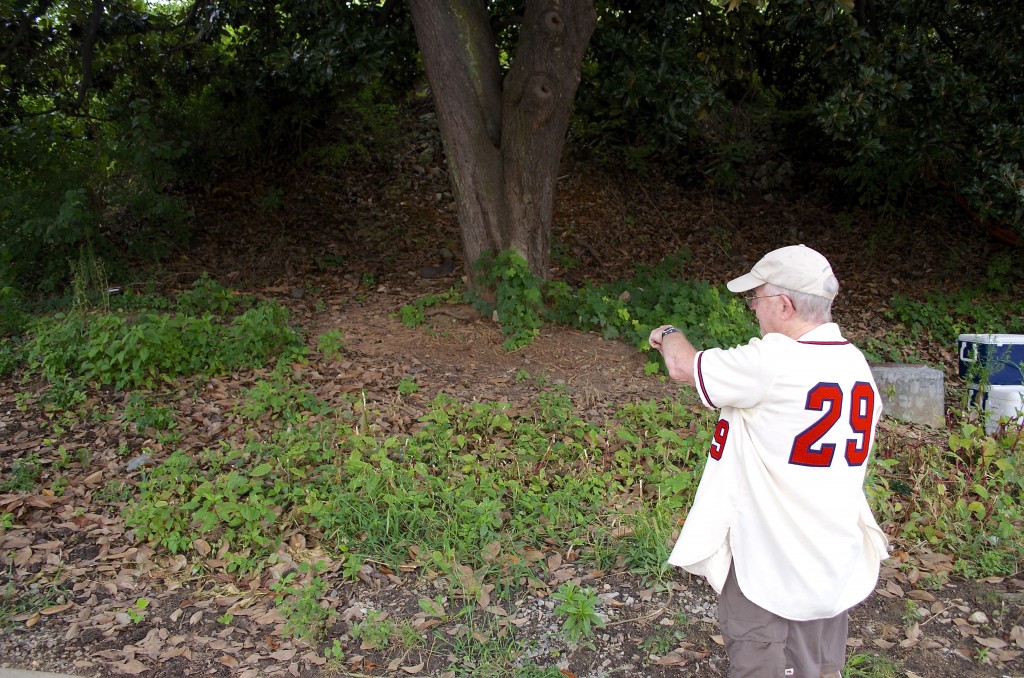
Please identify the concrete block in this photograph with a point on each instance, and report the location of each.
(914, 393)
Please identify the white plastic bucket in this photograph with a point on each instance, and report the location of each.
(997, 402)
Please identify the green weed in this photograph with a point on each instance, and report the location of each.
(647, 543)
(137, 612)
(64, 395)
(145, 347)
(19, 597)
(330, 344)
(630, 309)
(965, 499)
(12, 356)
(334, 653)
(89, 283)
(531, 670)
(663, 641)
(375, 632)
(298, 597)
(280, 398)
(413, 315)
(206, 296)
(145, 414)
(482, 650)
(114, 492)
(862, 665)
(23, 475)
(504, 284)
(407, 386)
(13, 316)
(579, 607)
(910, 614)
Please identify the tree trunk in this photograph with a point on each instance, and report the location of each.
(504, 143)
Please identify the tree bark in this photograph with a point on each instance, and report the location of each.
(539, 91)
(504, 140)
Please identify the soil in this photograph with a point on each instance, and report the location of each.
(346, 252)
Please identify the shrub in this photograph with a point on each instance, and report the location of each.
(129, 350)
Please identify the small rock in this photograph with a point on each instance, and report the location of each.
(978, 617)
(140, 461)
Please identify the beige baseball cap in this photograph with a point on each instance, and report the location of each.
(796, 267)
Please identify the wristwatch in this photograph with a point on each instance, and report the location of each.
(668, 330)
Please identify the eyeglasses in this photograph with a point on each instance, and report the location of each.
(752, 298)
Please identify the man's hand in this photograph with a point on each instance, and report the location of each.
(678, 353)
(658, 334)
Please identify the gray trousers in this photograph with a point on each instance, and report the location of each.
(761, 644)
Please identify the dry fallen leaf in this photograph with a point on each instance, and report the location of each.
(491, 551)
(671, 659)
(994, 643)
(23, 556)
(55, 609)
(965, 627)
(894, 588)
(1017, 635)
(533, 555)
(131, 667)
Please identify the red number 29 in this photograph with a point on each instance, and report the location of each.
(828, 398)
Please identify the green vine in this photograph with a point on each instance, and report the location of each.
(504, 284)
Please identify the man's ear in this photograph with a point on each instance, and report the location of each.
(788, 309)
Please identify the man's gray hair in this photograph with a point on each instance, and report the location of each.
(810, 306)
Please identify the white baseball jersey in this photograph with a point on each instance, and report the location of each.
(782, 493)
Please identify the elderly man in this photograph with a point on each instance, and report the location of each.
(780, 525)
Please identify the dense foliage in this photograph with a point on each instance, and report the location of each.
(113, 113)
(109, 119)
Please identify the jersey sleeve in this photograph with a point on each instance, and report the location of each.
(734, 377)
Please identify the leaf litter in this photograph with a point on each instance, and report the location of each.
(85, 572)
